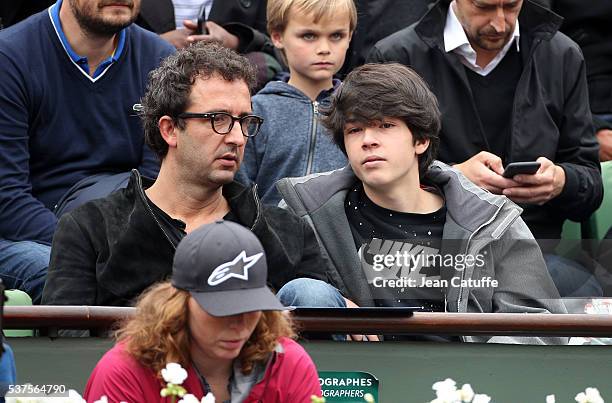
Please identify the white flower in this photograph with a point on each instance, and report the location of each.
(446, 391)
(467, 393)
(590, 395)
(10, 399)
(550, 399)
(189, 398)
(481, 399)
(447, 384)
(174, 373)
(209, 398)
(103, 399)
(73, 397)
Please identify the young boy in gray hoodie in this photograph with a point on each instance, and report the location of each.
(313, 36)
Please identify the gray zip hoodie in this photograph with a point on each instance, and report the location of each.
(292, 142)
(477, 223)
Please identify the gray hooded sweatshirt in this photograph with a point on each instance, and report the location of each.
(292, 142)
(477, 223)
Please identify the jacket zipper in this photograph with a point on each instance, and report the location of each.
(515, 117)
(144, 200)
(257, 206)
(313, 137)
(467, 247)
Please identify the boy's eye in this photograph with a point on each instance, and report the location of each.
(308, 36)
(336, 36)
(387, 125)
(352, 130)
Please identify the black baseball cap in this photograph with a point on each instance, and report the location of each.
(223, 266)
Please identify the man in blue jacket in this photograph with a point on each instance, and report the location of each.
(70, 77)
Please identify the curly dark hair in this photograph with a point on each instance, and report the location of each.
(170, 84)
(374, 91)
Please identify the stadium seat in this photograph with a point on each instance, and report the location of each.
(17, 298)
(599, 223)
(570, 242)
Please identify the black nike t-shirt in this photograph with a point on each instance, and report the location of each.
(408, 277)
(396, 251)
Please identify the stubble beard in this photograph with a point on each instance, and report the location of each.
(96, 25)
(482, 42)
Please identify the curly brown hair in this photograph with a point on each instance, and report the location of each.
(159, 332)
(171, 83)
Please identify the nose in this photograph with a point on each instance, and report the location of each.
(237, 321)
(370, 138)
(235, 136)
(498, 22)
(323, 47)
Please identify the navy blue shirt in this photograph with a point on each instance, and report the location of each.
(58, 125)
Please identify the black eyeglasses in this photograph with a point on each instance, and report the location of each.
(223, 122)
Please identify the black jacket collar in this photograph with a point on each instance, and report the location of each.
(243, 201)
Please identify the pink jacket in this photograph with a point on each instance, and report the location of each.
(292, 378)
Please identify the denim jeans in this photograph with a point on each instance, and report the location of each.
(307, 292)
(23, 266)
(311, 293)
(571, 278)
(607, 117)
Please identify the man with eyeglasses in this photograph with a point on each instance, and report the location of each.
(197, 118)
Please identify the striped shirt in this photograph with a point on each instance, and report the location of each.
(190, 10)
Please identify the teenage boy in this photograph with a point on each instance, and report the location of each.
(401, 229)
(313, 36)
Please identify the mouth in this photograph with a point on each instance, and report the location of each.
(228, 159)
(323, 64)
(231, 344)
(494, 37)
(371, 160)
(128, 4)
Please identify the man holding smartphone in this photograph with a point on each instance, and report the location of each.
(239, 25)
(511, 88)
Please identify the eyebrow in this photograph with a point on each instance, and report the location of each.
(479, 3)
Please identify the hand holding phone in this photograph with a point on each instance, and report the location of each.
(525, 168)
(201, 30)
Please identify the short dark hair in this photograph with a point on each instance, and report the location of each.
(170, 84)
(374, 91)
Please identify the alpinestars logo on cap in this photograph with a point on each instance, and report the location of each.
(238, 268)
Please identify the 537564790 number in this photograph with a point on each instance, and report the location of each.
(29, 390)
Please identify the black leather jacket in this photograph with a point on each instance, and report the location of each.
(108, 251)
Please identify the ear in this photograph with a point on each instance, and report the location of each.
(420, 146)
(277, 39)
(168, 130)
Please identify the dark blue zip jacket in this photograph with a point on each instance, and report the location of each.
(292, 141)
